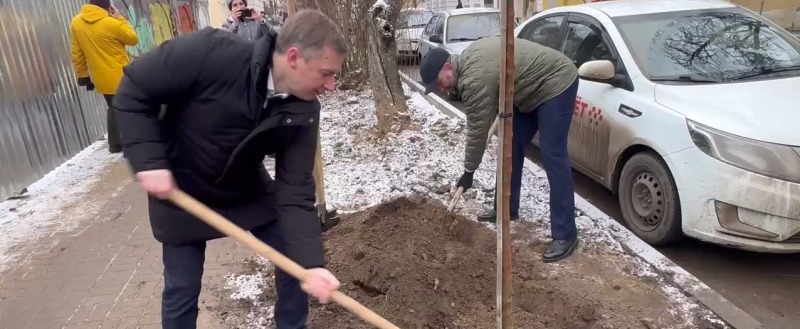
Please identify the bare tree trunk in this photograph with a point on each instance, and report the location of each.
(310, 4)
(387, 90)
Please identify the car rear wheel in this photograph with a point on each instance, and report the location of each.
(649, 199)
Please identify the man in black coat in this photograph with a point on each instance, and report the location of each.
(229, 102)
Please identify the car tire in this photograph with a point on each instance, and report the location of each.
(648, 198)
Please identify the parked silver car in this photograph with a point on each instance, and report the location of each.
(413, 21)
(456, 29)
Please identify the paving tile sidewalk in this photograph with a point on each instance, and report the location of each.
(107, 272)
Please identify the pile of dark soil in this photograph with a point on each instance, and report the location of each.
(422, 267)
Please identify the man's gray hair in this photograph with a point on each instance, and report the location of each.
(310, 31)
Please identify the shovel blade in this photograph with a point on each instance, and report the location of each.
(327, 218)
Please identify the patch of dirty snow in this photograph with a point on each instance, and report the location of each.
(248, 286)
(250, 289)
(38, 212)
(428, 159)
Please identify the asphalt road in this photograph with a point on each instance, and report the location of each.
(766, 286)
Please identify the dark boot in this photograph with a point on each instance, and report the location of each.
(559, 249)
(491, 216)
(114, 140)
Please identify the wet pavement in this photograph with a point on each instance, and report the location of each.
(766, 286)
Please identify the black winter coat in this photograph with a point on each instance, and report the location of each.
(214, 134)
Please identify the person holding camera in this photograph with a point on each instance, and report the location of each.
(245, 21)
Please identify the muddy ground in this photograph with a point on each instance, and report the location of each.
(421, 267)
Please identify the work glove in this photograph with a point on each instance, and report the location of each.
(466, 180)
(86, 82)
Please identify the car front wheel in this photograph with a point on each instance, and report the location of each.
(649, 199)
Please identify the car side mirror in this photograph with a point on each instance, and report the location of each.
(602, 71)
(436, 38)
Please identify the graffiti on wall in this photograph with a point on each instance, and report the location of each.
(161, 18)
(186, 18)
(202, 17)
(156, 21)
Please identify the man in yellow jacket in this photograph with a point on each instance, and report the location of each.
(98, 36)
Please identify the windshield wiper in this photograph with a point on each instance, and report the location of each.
(768, 70)
(684, 78)
(463, 39)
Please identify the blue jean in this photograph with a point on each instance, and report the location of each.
(552, 120)
(183, 272)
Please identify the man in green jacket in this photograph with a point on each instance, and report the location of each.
(545, 88)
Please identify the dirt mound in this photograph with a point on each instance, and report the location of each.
(422, 267)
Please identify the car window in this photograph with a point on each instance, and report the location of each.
(585, 42)
(717, 45)
(544, 31)
(472, 27)
(439, 29)
(417, 19)
(431, 24)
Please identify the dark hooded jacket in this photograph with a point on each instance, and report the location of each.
(217, 127)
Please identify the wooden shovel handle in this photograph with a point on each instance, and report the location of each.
(492, 130)
(222, 224)
(319, 171)
(455, 199)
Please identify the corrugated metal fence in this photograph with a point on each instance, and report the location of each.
(45, 119)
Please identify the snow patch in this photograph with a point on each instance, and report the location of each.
(247, 286)
(40, 213)
(249, 289)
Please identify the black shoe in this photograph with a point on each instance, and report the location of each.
(559, 249)
(115, 149)
(491, 216)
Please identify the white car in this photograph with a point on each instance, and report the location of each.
(688, 111)
(408, 34)
(456, 29)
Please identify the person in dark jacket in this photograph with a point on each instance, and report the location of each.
(229, 102)
(545, 88)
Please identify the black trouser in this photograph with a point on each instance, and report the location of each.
(114, 143)
(552, 120)
(183, 272)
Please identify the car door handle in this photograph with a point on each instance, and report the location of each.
(629, 111)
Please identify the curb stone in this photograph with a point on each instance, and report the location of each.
(690, 285)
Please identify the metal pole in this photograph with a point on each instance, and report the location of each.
(506, 111)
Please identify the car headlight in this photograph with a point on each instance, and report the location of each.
(773, 160)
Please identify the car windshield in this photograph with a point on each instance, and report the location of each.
(471, 27)
(708, 45)
(418, 18)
